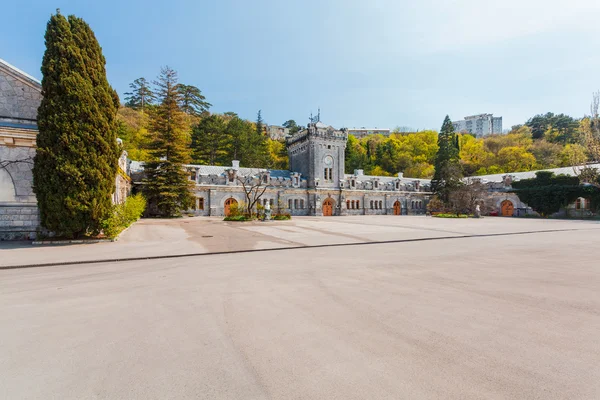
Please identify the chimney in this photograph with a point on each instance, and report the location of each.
(359, 172)
(235, 164)
(400, 174)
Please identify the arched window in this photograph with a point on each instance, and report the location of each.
(353, 204)
(348, 204)
(580, 204)
(380, 205)
(371, 204)
(295, 203)
(412, 204)
(302, 204)
(290, 204)
(358, 204)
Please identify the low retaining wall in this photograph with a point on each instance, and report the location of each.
(18, 221)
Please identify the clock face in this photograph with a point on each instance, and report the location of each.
(328, 160)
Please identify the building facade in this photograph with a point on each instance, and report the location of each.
(362, 132)
(276, 132)
(479, 125)
(20, 97)
(315, 184)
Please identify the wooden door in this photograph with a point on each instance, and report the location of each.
(397, 208)
(228, 204)
(507, 208)
(328, 208)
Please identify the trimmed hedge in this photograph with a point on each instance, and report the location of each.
(450, 216)
(124, 215)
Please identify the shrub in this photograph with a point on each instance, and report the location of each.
(281, 216)
(237, 218)
(123, 215)
(450, 216)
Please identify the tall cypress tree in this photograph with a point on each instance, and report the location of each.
(448, 173)
(77, 153)
(166, 185)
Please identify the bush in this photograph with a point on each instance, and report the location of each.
(450, 216)
(238, 218)
(124, 215)
(281, 217)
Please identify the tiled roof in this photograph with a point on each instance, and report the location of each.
(18, 71)
(571, 171)
(387, 178)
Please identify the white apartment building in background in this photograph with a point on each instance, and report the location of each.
(479, 125)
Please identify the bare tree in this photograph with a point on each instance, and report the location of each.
(4, 164)
(464, 199)
(254, 185)
(591, 134)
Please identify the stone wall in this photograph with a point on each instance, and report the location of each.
(20, 96)
(18, 206)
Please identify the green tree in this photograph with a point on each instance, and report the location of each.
(191, 100)
(292, 126)
(166, 185)
(141, 94)
(256, 153)
(238, 132)
(77, 153)
(448, 173)
(209, 141)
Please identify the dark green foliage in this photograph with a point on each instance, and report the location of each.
(448, 173)
(191, 100)
(560, 128)
(141, 94)
(209, 141)
(166, 186)
(77, 154)
(292, 126)
(124, 215)
(547, 193)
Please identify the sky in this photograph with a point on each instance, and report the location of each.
(377, 63)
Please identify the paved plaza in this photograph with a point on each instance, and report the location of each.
(462, 315)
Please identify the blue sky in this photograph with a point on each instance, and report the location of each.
(381, 63)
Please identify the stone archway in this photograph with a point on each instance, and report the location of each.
(328, 205)
(507, 208)
(7, 187)
(397, 208)
(230, 202)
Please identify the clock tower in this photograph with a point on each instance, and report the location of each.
(317, 152)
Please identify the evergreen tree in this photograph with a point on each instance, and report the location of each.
(209, 141)
(256, 146)
(166, 185)
(141, 94)
(191, 100)
(238, 131)
(77, 153)
(448, 173)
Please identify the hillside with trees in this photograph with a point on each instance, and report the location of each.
(544, 141)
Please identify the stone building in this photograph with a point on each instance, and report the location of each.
(500, 201)
(315, 184)
(362, 132)
(20, 96)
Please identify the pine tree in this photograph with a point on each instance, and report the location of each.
(209, 141)
(448, 173)
(256, 153)
(191, 100)
(238, 131)
(141, 94)
(77, 153)
(166, 185)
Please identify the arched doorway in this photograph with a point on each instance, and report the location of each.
(507, 208)
(230, 202)
(328, 207)
(397, 208)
